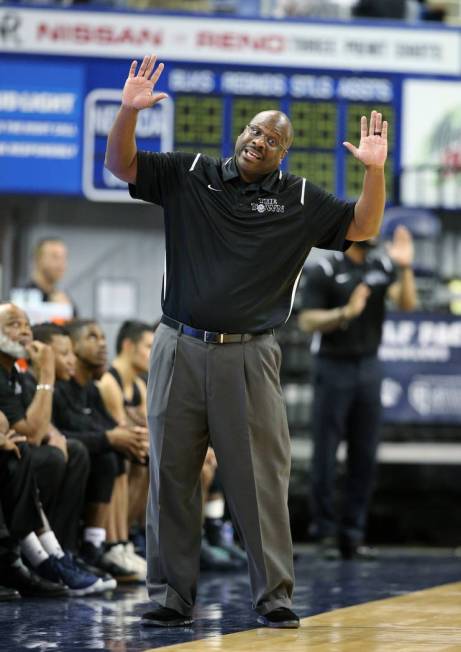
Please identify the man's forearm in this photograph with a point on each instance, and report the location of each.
(323, 320)
(369, 209)
(121, 145)
(408, 298)
(38, 415)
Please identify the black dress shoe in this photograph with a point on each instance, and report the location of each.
(165, 617)
(7, 594)
(282, 618)
(29, 584)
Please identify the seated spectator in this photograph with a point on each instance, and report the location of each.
(50, 265)
(79, 412)
(23, 521)
(61, 466)
(123, 390)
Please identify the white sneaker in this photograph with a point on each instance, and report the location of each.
(138, 562)
(116, 555)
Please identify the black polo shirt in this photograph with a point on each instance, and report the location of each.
(79, 412)
(330, 283)
(13, 399)
(235, 251)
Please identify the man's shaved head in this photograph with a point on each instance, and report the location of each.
(263, 144)
(280, 121)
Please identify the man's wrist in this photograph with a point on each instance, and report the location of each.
(342, 315)
(45, 387)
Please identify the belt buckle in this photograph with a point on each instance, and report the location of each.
(213, 338)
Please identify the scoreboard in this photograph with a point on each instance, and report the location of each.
(208, 106)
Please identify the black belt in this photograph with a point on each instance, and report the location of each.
(211, 337)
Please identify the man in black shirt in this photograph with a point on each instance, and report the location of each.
(79, 411)
(61, 467)
(344, 305)
(237, 234)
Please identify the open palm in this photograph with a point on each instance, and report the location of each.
(372, 149)
(138, 90)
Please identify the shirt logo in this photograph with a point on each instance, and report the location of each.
(215, 189)
(267, 205)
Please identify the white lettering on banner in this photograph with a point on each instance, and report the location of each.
(365, 89)
(37, 150)
(322, 87)
(435, 395)
(439, 334)
(39, 128)
(413, 354)
(397, 333)
(150, 121)
(196, 81)
(30, 102)
(329, 45)
(246, 83)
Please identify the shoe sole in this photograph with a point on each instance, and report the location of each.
(284, 624)
(163, 623)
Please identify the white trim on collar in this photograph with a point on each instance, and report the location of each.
(195, 162)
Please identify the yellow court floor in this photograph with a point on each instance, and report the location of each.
(424, 621)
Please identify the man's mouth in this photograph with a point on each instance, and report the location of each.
(252, 154)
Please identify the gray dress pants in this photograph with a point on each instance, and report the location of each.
(227, 396)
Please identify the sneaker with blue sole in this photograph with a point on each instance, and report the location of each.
(65, 572)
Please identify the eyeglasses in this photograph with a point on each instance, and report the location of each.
(270, 141)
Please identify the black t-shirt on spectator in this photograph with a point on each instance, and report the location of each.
(235, 250)
(79, 412)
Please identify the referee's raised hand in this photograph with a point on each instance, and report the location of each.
(139, 86)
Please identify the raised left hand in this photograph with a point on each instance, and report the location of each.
(372, 149)
(401, 249)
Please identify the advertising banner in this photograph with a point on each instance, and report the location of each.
(40, 127)
(421, 355)
(431, 143)
(338, 46)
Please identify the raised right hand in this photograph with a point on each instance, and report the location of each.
(137, 92)
(357, 301)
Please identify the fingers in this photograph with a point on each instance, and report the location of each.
(384, 130)
(150, 65)
(147, 68)
(157, 73)
(132, 68)
(363, 126)
(143, 67)
(352, 149)
(372, 123)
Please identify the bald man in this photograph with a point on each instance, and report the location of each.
(238, 231)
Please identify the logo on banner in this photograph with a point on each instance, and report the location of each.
(9, 27)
